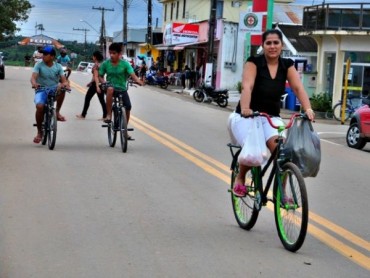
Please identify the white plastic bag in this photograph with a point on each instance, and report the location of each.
(254, 151)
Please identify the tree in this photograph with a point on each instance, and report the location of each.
(12, 11)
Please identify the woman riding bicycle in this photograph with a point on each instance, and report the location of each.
(263, 84)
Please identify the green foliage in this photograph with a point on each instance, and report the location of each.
(12, 11)
(321, 102)
(14, 54)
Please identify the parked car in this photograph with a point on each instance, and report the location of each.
(2, 66)
(85, 66)
(358, 133)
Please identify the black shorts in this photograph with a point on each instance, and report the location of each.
(126, 99)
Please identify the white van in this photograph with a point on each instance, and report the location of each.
(85, 67)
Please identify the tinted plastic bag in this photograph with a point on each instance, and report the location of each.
(254, 151)
(303, 146)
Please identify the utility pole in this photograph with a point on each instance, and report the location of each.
(103, 45)
(124, 36)
(149, 34)
(84, 30)
(211, 39)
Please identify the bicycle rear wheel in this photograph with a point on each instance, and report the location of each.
(290, 207)
(337, 112)
(245, 212)
(112, 128)
(52, 129)
(123, 129)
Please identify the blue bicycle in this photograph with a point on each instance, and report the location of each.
(351, 107)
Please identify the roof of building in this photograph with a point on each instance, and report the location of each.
(300, 43)
(288, 14)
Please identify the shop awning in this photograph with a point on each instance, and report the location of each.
(182, 46)
(163, 47)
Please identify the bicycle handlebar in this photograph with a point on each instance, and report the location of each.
(268, 117)
(65, 89)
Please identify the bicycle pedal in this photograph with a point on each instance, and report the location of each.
(104, 125)
(130, 129)
(34, 124)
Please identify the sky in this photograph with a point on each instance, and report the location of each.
(59, 17)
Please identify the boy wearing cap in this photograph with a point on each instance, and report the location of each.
(47, 73)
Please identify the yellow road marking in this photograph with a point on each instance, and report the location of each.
(78, 87)
(204, 161)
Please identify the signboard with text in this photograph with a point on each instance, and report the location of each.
(251, 22)
(180, 33)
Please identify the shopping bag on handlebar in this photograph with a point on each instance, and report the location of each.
(254, 151)
(303, 146)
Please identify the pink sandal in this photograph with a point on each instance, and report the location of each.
(240, 190)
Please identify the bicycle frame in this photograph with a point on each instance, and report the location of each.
(277, 159)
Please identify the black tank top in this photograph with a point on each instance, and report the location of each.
(267, 92)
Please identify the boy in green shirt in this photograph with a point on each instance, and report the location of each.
(117, 72)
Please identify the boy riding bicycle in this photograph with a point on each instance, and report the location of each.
(47, 74)
(117, 72)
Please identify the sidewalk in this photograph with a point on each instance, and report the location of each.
(233, 102)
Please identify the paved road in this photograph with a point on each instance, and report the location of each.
(162, 209)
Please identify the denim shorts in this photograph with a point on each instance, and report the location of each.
(41, 95)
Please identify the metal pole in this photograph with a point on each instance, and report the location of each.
(103, 45)
(124, 38)
(149, 34)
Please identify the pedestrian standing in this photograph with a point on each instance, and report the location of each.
(93, 86)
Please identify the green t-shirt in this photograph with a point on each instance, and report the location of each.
(116, 74)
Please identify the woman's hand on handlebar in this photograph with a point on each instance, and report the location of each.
(310, 114)
(246, 112)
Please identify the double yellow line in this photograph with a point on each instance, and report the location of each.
(320, 230)
(319, 227)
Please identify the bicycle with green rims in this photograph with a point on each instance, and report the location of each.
(289, 195)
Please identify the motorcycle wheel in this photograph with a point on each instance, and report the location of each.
(222, 101)
(164, 85)
(198, 96)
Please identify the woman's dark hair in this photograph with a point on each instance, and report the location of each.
(117, 47)
(97, 54)
(272, 32)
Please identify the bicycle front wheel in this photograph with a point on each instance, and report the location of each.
(123, 129)
(112, 129)
(45, 128)
(245, 212)
(337, 112)
(52, 129)
(290, 206)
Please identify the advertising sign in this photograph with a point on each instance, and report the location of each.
(180, 33)
(251, 22)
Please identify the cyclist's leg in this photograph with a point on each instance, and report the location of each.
(40, 100)
(60, 99)
(128, 106)
(109, 100)
(238, 130)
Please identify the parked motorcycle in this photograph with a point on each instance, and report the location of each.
(207, 93)
(153, 79)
